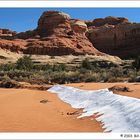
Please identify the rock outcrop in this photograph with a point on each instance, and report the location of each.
(53, 23)
(108, 20)
(28, 34)
(58, 34)
(7, 34)
(16, 45)
(115, 36)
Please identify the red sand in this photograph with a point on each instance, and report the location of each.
(21, 110)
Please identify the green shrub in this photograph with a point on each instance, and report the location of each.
(5, 78)
(86, 64)
(24, 63)
(59, 67)
(116, 72)
(7, 67)
(136, 62)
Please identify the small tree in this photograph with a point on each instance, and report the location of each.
(24, 63)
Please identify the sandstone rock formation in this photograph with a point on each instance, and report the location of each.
(115, 36)
(53, 23)
(26, 35)
(6, 34)
(108, 20)
(16, 45)
(58, 34)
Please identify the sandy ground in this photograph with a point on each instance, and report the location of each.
(21, 110)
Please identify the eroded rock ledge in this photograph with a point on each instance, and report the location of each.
(58, 34)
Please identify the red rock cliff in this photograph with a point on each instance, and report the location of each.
(115, 36)
(59, 35)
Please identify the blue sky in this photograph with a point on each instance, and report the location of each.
(22, 19)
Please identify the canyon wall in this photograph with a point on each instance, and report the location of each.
(115, 36)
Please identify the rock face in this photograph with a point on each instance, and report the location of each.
(115, 36)
(7, 34)
(108, 20)
(58, 34)
(53, 22)
(27, 34)
(13, 45)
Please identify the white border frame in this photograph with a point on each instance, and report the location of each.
(68, 4)
(68, 136)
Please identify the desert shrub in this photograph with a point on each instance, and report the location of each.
(59, 67)
(56, 77)
(136, 62)
(7, 67)
(42, 67)
(62, 77)
(105, 64)
(91, 77)
(24, 63)
(86, 64)
(5, 77)
(52, 57)
(105, 75)
(116, 72)
(50, 68)
(8, 83)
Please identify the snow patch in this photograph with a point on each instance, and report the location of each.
(120, 113)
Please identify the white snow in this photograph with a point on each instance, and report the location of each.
(120, 113)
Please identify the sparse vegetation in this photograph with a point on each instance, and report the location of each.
(88, 71)
(8, 83)
(86, 64)
(52, 57)
(136, 62)
(24, 63)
